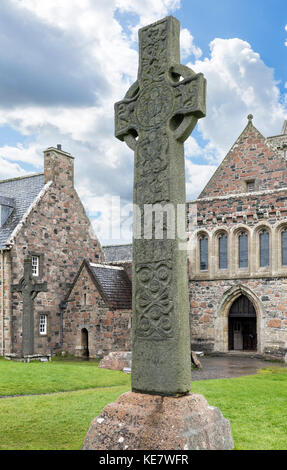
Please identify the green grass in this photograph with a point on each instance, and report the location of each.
(255, 405)
(18, 378)
(54, 422)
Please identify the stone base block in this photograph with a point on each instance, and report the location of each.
(137, 421)
(116, 360)
(28, 357)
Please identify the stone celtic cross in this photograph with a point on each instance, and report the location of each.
(157, 114)
(29, 289)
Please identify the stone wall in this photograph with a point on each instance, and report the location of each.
(250, 158)
(5, 302)
(57, 230)
(232, 215)
(108, 330)
(210, 302)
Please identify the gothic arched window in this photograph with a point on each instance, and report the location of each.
(223, 256)
(243, 250)
(284, 247)
(203, 253)
(264, 248)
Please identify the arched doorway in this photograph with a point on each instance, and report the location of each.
(242, 327)
(84, 342)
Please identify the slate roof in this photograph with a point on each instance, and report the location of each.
(23, 190)
(117, 253)
(114, 284)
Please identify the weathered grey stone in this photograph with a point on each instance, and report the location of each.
(29, 290)
(157, 114)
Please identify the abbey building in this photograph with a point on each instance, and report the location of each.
(238, 250)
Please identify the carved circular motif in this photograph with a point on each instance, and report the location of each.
(154, 285)
(165, 324)
(163, 273)
(145, 275)
(154, 106)
(144, 324)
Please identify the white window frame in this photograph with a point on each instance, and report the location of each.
(43, 324)
(35, 265)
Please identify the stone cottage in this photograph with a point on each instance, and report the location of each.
(42, 220)
(97, 311)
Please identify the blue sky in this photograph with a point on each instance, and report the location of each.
(260, 22)
(63, 64)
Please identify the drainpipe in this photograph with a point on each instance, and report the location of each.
(62, 306)
(2, 300)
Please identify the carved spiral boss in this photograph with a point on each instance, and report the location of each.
(157, 114)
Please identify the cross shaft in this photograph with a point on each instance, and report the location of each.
(29, 289)
(157, 114)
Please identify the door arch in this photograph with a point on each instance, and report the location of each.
(84, 342)
(222, 317)
(242, 325)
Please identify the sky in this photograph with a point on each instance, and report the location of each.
(64, 63)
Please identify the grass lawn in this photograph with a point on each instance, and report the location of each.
(18, 378)
(54, 422)
(255, 405)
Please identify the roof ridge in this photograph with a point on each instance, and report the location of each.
(21, 177)
(122, 244)
(106, 266)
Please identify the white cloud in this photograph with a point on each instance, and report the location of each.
(238, 83)
(148, 10)
(192, 148)
(10, 170)
(187, 45)
(197, 177)
(29, 155)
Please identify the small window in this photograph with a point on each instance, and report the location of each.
(43, 324)
(250, 186)
(223, 257)
(243, 250)
(203, 252)
(35, 265)
(264, 248)
(284, 247)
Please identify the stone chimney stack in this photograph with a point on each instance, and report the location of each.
(58, 166)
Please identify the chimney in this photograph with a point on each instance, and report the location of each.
(58, 166)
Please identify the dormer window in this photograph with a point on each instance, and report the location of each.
(35, 265)
(7, 205)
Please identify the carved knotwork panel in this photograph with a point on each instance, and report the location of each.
(153, 52)
(153, 301)
(152, 169)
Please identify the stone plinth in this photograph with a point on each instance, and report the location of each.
(138, 421)
(28, 357)
(116, 360)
